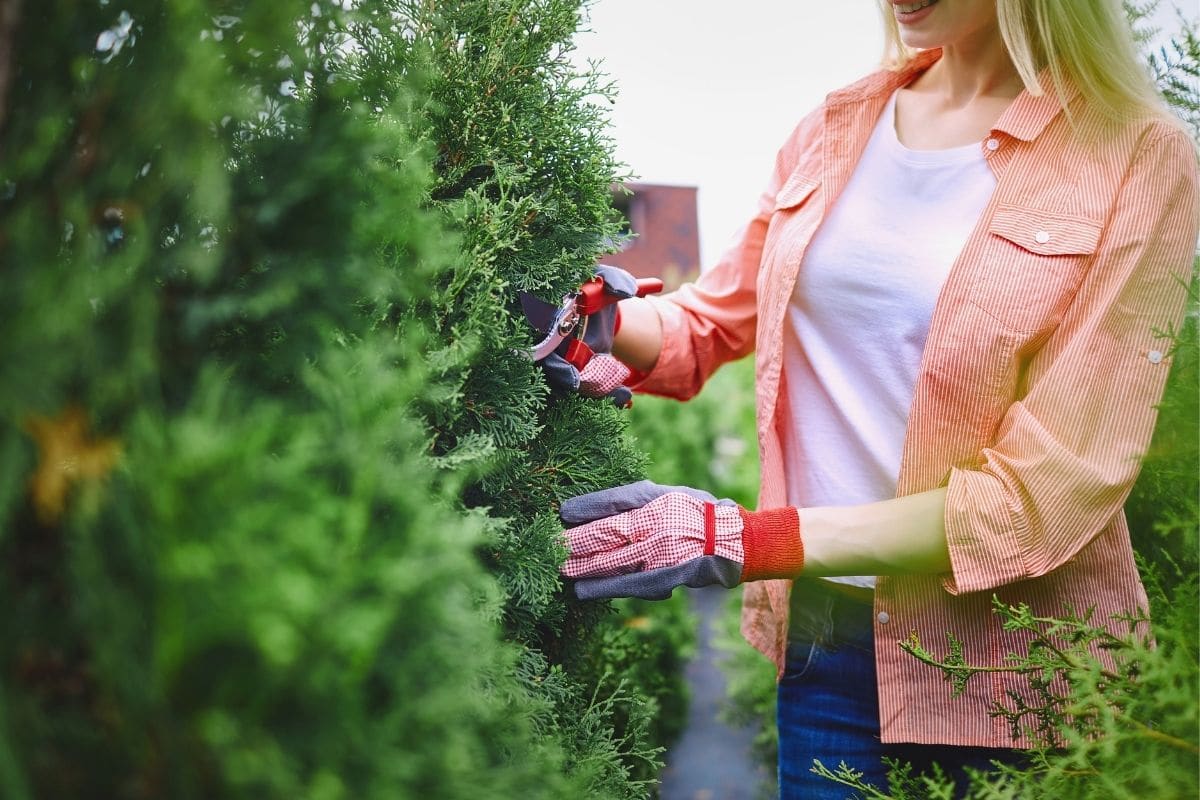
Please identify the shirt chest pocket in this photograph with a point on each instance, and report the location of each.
(791, 224)
(1032, 262)
(794, 191)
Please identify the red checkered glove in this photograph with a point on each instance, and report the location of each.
(587, 366)
(643, 540)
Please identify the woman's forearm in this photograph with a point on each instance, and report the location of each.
(903, 535)
(639, 340)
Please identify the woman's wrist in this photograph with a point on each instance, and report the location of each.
(638, 340)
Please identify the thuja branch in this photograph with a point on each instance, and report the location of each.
(1077, 630)
(848, 776)
(1060, 649)
(951, 665)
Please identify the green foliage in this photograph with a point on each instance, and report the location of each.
(649, 642)
(277, 489)
(1174, 66)
(1125, 732)
(750, 683)
(524, 171)
(1060, 652)
(709, 442)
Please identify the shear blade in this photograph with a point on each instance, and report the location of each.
(540, 314)
(546, 318)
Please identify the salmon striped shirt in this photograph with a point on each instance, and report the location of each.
(1036, 395)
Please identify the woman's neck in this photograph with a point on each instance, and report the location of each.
(971, 71)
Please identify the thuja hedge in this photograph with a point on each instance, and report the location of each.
(277, 490)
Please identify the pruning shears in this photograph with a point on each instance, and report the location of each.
(568, 321)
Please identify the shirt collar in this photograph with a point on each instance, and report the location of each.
(1027, 115)
(1025, 118)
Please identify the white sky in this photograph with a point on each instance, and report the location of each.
(709, 91)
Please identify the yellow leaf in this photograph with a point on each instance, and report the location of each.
(66, 456)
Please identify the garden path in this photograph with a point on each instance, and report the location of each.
(711, 760)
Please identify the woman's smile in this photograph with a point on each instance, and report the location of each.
(909, 13)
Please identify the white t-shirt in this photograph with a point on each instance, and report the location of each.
(860, 312)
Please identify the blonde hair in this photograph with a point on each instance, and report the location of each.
(1088, 43)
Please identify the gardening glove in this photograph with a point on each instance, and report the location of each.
(586, 365)
(643, 540)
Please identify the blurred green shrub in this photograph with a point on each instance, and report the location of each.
(710, 441)
(277, 490)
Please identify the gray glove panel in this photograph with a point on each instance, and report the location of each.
(562, 375)
(617, 281)
(559, 373)
(657, 584)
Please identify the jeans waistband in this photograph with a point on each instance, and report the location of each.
(822, 613)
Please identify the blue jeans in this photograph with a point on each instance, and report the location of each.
(829, 706)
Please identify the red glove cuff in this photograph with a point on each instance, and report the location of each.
(771, 544)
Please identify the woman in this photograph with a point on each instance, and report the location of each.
(952, 286)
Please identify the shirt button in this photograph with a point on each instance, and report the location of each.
(1155, 356)
(993, 144)
(1041, 237)
(884, 618)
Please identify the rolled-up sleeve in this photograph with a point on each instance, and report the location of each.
(713, 320)
(1067, 453)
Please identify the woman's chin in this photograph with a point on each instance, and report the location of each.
(919, 40)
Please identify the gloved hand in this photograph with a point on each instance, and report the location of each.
(587, 365)
(643, 540)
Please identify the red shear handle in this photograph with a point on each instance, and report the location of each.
(579, 354)
(593, 297)
(649, 286)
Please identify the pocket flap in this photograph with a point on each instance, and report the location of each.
(795, 189)
(1045, 232)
